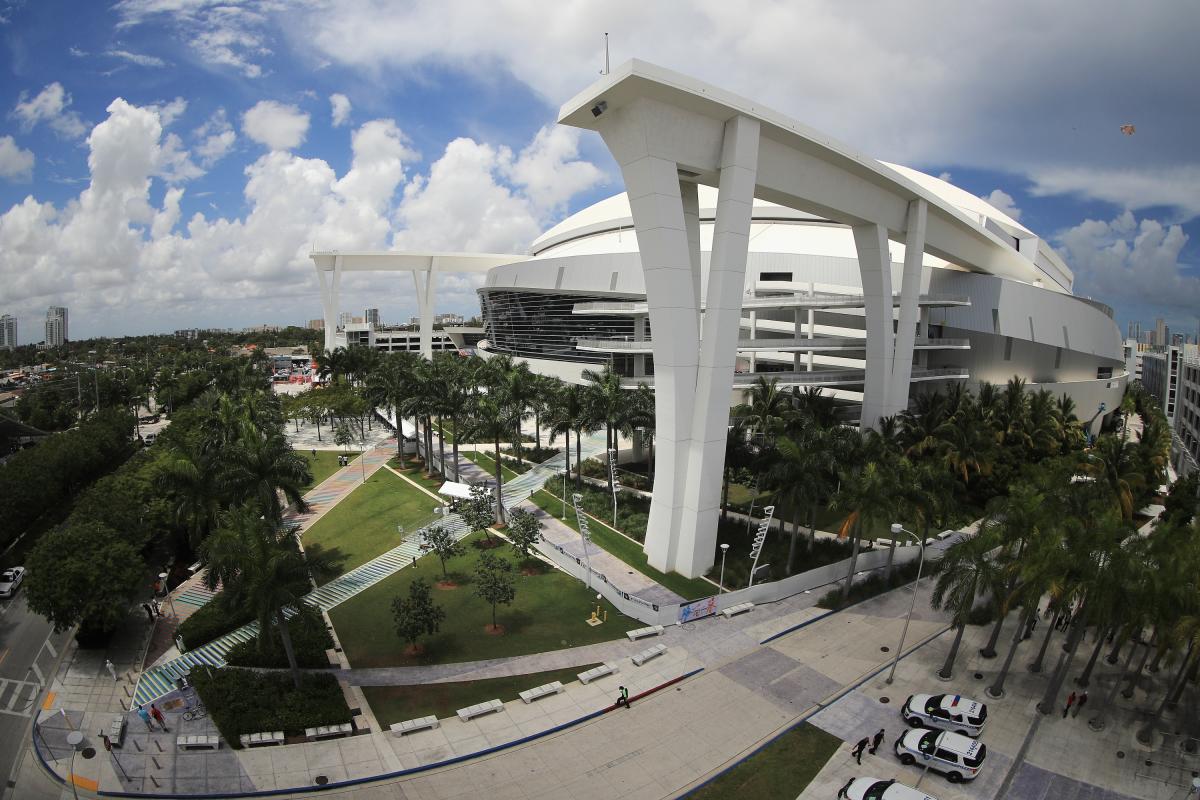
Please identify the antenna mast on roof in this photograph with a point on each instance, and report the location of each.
(605, 71)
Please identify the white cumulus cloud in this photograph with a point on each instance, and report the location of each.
(141, 59)
(340, 108)
(215, 137)
(1003, 202)
(52, 106)
(278, 126)
(16, 163)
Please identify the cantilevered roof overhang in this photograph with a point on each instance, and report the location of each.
(398, 261)
(798, 167)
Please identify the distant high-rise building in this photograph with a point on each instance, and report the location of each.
(8, 332)
(371, 315)
(187, 333)
(1160, 333)
(316, 324)
(56, 326)
(344, 319)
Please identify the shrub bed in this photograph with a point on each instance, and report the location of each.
(244, 701)
(211, 620)
(875, 585)
(310, 640)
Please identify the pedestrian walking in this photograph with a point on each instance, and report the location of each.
(1079, 704)
(158, 716)
(155, 606)
(876, 740)
(1070, 702)
(149, 612)
(112, 670)
(314, 452)
(145, 715)
(623, 700)
(858, 749)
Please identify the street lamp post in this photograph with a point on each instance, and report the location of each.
(362, 457)
(162, 576)
(897, 529)
(612, 473)
(721, 581)
(564, 495)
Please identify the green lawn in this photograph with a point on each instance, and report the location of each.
(627, 550)
(548, 614)
(322, 465)
(393, 704)
(415, 473)
(363, 525)
(780, 771)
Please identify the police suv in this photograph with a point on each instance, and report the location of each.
(880, 789)
(957, 757)
(948, 712)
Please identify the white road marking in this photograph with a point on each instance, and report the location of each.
(12, 701)
(36, 671)
(26, 707)
(50, 647)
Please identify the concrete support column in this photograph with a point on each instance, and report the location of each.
(797, 357)
(923, 333)
(718, 345)
(753, 335)
(639, 335)
(874, 263)
(910, 293)
(426, 285)
(331, 296)
(812, 323)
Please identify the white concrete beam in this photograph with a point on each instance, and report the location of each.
(874, 263)
(910, 292)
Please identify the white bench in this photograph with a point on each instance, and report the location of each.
(649, 653)
(597, 672)
(116, 730)
(538, 692)
(257, 739)
(946, 534)
(199, 742)
(328, 731)
(740, 608)
(641, 633)
(479, 709)
(410, 725)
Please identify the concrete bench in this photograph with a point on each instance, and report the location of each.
(641, 633)
(198, 742)
(259, 739)
(328, 731)
(597, 672)
(479, 709)
(740, 608)
(649, 653)
(946, 534)
(411, 725)
(116, 730)
(538, 692)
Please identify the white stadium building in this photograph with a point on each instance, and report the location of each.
(755, 246)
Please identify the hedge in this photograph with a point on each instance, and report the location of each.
(310, 640)
(210, 621)
(245, 701)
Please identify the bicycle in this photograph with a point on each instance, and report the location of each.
(195, 712)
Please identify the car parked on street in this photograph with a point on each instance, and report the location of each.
(947, 712)
(881, 789)
(958, 757)
(10, 579)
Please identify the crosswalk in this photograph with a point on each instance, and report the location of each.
(161, 679)
(16, 697)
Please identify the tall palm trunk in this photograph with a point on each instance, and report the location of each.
(567, 458)
(1132, 677)
(399, 439)
(989, 650)
(454, 449)
(1114, 654)
(812, 526)
(579, 459)
(442, 447)
(1050, 698)
(1036, 666)
(853, 559)
(499, 487)
(947, 670)
(1086, 676)
(1146, 734)
(1098, 722)
(725, 498)
(286, 637)
(997, 687)
(791, 562)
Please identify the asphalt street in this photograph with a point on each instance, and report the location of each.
(29, 651)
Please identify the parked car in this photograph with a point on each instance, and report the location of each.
(958, 757)
(947, 712)
(10, 579)
(150, 438)
(880, 789)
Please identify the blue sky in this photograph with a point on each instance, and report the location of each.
(168, 163)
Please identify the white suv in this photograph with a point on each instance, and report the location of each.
(957, 757)
(948, 712)
(880, 789)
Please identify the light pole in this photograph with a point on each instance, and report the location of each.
(162, 576)
(721, 581)
(362, 457)
(584, 534)
(759, 538)
(612, 475)
(897, 529)
(564, 495)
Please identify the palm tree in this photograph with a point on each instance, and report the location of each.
(188, 476)
(1113, 463)
(737, 456)
(968, 443)
(868, 496)
(608, 401)
(766, 408)
(493, 418)
(262, 466)
(572, 414)
(967, 568)
(388, 385)
(259, 567)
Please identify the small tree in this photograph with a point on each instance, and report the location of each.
(416, 615)
(343, 437)
(494, 582)
(441, 541)
(477, 511)
(524, 530)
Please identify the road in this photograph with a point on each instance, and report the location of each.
(29, 650)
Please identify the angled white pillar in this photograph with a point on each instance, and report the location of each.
(426, 285)
(910, 293)
(874, 263)
(718, 346)
(331, 297)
